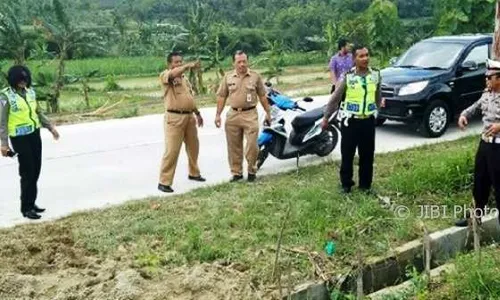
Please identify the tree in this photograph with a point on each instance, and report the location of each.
(63, 33)
(496, 42)
(463, 16)
(14, 42)
(199, 19)
(384, 25)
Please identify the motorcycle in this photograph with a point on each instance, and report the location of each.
(306, 137)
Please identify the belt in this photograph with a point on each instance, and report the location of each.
(362, 117)
(490, 139)
(182, 112)
(243, 108)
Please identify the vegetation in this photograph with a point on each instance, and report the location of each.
(62, 42)
(240, 224)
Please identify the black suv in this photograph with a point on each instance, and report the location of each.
(435, 80)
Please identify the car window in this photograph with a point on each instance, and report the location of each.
(429, 54)
(478, 54)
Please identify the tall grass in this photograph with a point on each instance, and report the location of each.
(150, 65)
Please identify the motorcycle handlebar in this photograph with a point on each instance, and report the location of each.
(300, 108)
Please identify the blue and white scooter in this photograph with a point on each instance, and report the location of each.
(306, 137)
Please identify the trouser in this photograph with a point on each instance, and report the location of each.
(179, 128)
(239, 125)
(486, 175)
(29, 156)
(360, 134)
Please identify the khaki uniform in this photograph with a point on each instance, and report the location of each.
(180, 126)
(242, 94)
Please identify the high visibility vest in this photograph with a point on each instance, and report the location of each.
(360, 97)
(23, 118)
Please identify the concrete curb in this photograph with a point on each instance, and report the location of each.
(407, 287)
(387, 272)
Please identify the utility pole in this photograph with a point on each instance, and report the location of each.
(496, 37)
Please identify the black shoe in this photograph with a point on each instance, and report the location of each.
(346, 189)
(196, 178)
(38, 209)
(465, 222)
(165, 188)
(251, 177)
(462, 223)
(368, 191)
(236, 178)
(31, 215)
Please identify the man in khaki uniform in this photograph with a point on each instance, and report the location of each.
(242, 88)
(180, 122)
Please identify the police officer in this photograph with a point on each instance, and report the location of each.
(21, 120)
(361, 89)
(242, 88)
(487, 161)
(181, 118)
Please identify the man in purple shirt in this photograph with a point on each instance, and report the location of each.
(340, 63)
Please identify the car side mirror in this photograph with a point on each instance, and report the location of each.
(393, 61)
(470, 66)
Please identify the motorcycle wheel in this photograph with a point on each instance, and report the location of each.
(327, 142)
(263, 154)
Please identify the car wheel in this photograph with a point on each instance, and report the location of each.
(380, 121)
(436, 119)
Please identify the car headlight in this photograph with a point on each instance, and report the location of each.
(413, 88)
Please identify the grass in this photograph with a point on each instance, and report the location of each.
(471, 279)
(240, 223)
(142, 96)
(151, 65)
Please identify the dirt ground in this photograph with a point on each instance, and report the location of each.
(60, 269)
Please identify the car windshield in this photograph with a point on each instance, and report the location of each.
(430, 55)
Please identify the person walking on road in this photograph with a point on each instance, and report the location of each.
(181, 118)
(361, 89)
(340, 63)
(487, 160)
(242, 88)
(21, 120)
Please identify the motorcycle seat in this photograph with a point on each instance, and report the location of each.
(308, 118)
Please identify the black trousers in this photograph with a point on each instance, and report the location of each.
(29, 150)
(360, 135)
(486, 174)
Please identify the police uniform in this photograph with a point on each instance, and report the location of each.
(180, 126)
(21, 120)
(242, 94)
(487, 160)
(357, 114)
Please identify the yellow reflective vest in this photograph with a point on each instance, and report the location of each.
(360, 97)
(23, 116)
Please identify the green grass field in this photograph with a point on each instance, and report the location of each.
(238, 225)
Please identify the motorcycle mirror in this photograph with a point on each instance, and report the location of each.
(308, 99)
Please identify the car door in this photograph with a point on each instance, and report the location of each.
(470, 82)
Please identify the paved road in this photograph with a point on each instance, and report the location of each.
(98, 164)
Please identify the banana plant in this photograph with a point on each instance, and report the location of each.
(62, 32)
(14, 42)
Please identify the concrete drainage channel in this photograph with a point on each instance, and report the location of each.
(385, 276)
